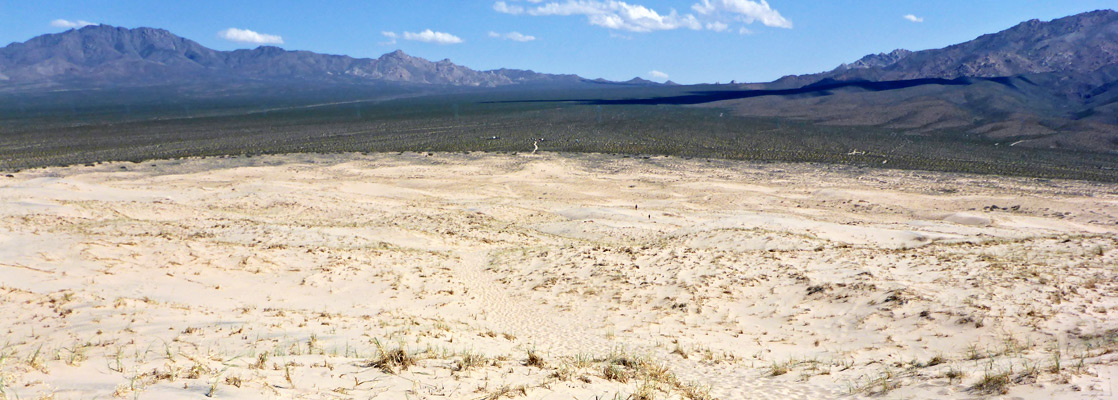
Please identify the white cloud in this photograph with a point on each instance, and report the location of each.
(746, 11)
(247, 36)
(654, 74)
(913, 18)
(427, 36)
(62, 23)
(514, 36)
(715, 15)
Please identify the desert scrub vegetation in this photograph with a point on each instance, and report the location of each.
(485, 123)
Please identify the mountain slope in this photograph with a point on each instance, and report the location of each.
(1042, 84)
(103, 56)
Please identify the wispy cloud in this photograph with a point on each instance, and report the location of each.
(247, 36)
(62, 23)
(391, 38)
(714, 15)
(427, 36)
(717, 26)
(503, 7)
(654, 74)
(618, 15)
(913, 18)
(514, 36)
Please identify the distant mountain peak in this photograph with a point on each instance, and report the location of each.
(640, 81)
(270, 49)
(876, 60)
(396, 54)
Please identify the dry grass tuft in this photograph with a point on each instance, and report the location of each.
(992, 384)
(507, 391)
(615, 372)
(469, 360)
(535, 360)
(391, 360)
(778, 369)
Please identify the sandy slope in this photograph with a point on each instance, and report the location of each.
(552, 277)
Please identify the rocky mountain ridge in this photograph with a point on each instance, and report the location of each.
(1076, 45)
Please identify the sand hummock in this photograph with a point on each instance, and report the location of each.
(547, 276)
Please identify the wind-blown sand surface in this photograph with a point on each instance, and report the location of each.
(552, 277)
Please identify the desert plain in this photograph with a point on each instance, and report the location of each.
(552, 276)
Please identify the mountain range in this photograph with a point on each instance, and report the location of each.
(1050, 84)
(102, 56)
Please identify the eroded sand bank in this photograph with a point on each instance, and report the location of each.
(552, 277)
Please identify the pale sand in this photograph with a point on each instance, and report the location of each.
(278, 276)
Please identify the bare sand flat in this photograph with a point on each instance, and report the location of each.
(552, 277)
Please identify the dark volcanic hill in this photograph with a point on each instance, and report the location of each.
(102, 56)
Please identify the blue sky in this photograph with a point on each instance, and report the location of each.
(702, 41)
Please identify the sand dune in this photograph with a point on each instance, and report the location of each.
(547, 276)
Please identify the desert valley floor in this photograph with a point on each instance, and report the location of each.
(551, 276)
